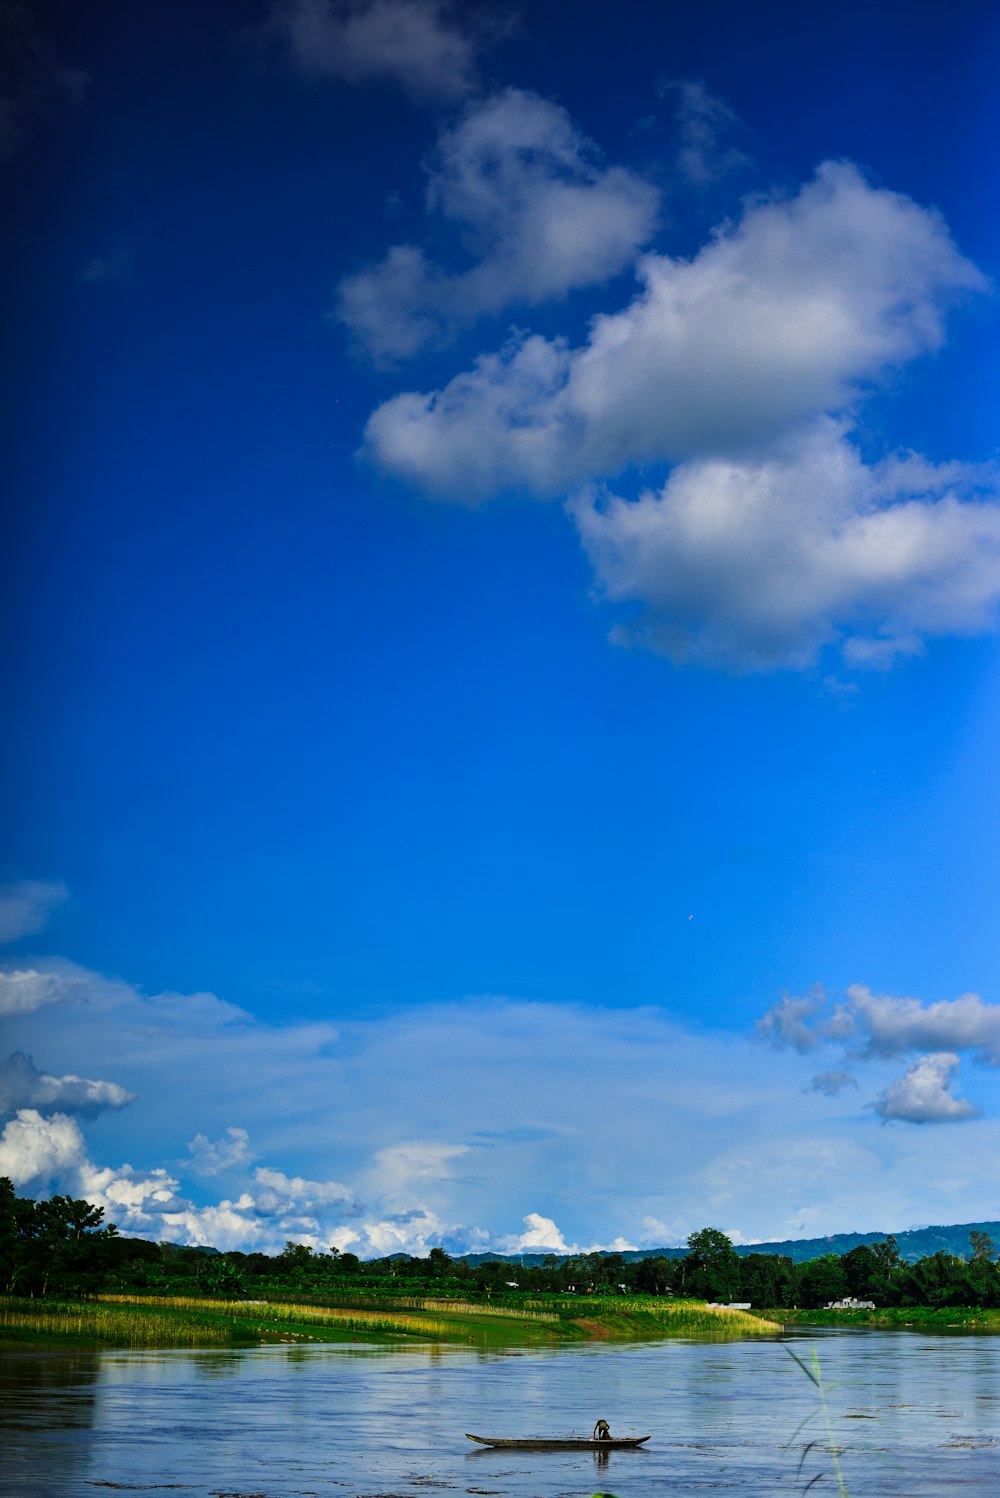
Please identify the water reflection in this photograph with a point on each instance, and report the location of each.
(47, 1403)
(915, 1415)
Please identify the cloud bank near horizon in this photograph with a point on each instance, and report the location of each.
(483, 1125)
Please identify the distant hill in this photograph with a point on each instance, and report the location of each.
(913, 1244)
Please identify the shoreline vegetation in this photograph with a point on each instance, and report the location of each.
(129, 1321)
(921, 1318)
(67, 1277)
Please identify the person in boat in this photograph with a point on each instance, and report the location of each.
(602, 1431)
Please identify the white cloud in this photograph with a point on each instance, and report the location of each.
(135, 1201)
(418, 44)
(25, 907)
(923, 1094)
(24, 990)
(885, 1025)
(36, 1149)
(873, 1028)
(538, 212)
(46, 1153)
(889, 1026)
(22, 1085)
(399, 1167)
(772, 539)
(541, 1234)
(471, 1124)
(278, 1194)
(415, 1232)
(212, 1157)
(778, 318)
(759, 563)
(225, 1225)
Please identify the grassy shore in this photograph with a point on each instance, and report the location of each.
(931, 1318)
(163, 1321)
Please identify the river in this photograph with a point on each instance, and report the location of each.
(914, 1415)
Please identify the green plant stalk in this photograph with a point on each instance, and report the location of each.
(814, 1374)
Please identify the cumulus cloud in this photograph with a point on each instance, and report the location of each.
(743, 368)
(540, 1233)
(24, 990)
(135, 1201)
(923, 1094)
(22, 1085)
(274, 1209)
(36, 1149)
(873, 1028)
(758, 563)
(25, 907)
(538, 212)
(780, 317)
(890, 1026)
(415, 1232)
(50, 1153)
(212, 1157)
(884, 1025)
(278, 1194)
(419, 44)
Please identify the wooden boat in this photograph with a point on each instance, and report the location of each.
(578, 1443)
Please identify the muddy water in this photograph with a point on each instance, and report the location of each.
(915, 1415)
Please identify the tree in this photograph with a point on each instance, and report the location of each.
(48, 1242)
(888, 1271)
(767, 1279)
(711, 1268)
(822, 1280)
(982, 1245)
(439, 1262)
(654, 1276)
(861, 1269)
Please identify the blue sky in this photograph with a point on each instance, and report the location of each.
(502, 571)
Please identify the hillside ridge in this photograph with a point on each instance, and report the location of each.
(912, 1243)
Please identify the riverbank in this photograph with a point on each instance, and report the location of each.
(164, 1321)
(925, 1318)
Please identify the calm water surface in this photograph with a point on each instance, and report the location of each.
(915, 1415)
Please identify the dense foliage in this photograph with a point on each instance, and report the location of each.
(60, 1247)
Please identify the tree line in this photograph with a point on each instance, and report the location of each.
(62, 1247)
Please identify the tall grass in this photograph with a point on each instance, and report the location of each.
(119, 1328)
(479, 1308)
(260, 1313)
(132, 1320)
(672, 1317)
